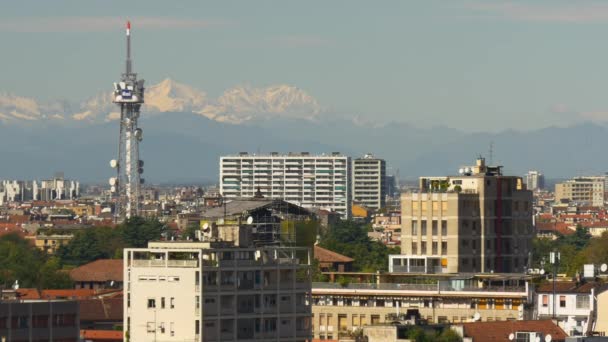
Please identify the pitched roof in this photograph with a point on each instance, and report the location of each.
(567, 287)
(55, 294)
(325, 255)
(101, 335)
(499, 331)
(99, 271)
(101, 309)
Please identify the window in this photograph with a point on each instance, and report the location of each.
(197, 328)
(562, 301)
(444, 206)
(434, 248)
(423, 228)
(197, 301)
(172, 329)
(162, 327)
(545, 301)
(414, 228)
(435, 207)
(162, 302)
(582, 302)
(434, 228)
(423, 247)
(444, 247)
(172, 303)
(414, 248)
(375, 319)
(424, 206)
(150, 327)
(414, 208)
(444, 228)
(151, 303)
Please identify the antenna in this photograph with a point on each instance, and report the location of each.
(491, 152)
(128, 64)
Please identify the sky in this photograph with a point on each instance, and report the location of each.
(473, 65)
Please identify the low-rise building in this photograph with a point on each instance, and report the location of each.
(524, 331)
(342, 308)
(571, 304)
(98, 274)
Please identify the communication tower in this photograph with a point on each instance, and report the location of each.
(126, 186)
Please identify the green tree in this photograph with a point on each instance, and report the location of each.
(190, 231)
(137, 231)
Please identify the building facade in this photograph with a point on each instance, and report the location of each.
(535, 180)
(369, 182)
(338, 309)
(319, 181)
(39, 320)
(205, 291)
(479, 221)
(581, 191)
(56, 188)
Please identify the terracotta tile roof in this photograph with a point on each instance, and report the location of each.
(556, 227)
(101, 335)
(325, 255)
(99, 271)
(101, 309)
(55, 294)
(567, 287)
(499, 331)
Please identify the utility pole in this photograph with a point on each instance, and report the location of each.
(554, 258)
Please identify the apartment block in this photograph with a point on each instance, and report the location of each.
(535, 180)
(340, 309)
(581, 191)
(57, 188)
(319, 181)
(239, 281)
(369, 182)
(478, 221)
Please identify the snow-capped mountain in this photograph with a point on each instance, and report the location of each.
(236, 105)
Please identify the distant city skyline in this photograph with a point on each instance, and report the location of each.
(471, 65)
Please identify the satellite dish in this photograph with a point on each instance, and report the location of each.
(537, 339)
(205, 226)
(112, 181)
(220, 221)
(16, 285)
(477, 316)
(113, 189)
(511, 336)
(111, 283)
(548, 338)
(542, 271)
(604, 268)
(249, 220)
(140, 163)
(113, 163)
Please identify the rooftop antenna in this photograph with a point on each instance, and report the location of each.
(491, 152)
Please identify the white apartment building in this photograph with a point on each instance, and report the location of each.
(319, 181)
(214, 291)
(581, 190)
(56, 188)
(535, 180)
(369, 182)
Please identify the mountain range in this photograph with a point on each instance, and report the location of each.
(185, 132)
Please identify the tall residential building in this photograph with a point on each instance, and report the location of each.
(57, 188)
(478, 221)
(238, 283)
(581, 190)
(319, 181)
(369, 182)
(535, 180)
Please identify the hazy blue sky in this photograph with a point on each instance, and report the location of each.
(468, 64)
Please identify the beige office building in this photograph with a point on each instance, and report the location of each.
(369, 182)
(478, 221)
(582, 191)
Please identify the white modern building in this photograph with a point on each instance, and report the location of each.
(369, 182)
(310, 181)
(57, 188)
(535, 180)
